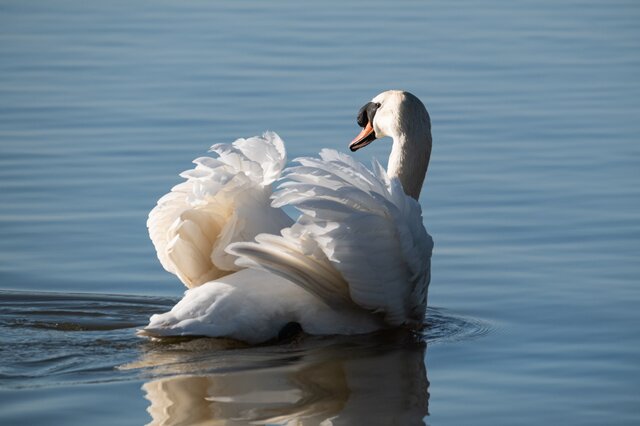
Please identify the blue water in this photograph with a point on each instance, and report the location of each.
(532, 197)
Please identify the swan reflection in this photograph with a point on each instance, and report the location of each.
(378, 379)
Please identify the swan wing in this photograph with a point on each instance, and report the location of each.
(222, 200)
(360, 239)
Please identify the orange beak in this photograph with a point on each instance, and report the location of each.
(364, 138)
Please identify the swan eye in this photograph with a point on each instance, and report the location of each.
(366, 113)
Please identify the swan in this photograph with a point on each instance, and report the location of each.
(356, 260)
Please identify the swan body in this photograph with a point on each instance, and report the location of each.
(253, 306)
(357, 259)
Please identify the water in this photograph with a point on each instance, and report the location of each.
(532, 199)
(86, 347)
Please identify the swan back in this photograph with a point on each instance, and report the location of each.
(359, 240)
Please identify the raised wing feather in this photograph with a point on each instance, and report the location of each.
(359, 239)
(223, 200)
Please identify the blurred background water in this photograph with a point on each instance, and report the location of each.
(532, 197)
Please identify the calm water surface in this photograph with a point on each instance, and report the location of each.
(532, 198)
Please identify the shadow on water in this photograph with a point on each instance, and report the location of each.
(363, 378)
(55, 339)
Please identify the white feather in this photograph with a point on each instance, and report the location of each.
(223, 200)
(356, 259)
(253, 306)
(356, 225)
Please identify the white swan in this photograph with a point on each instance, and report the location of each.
(356, 260)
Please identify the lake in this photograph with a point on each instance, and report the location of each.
(532, 198)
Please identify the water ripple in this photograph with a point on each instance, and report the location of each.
(54, 338)
(442, 326)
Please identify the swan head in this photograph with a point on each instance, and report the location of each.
(403, 117)
(394, 113)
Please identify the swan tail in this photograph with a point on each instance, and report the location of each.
(359, 239)
(222, 200)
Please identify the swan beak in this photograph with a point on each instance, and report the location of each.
(366, 136)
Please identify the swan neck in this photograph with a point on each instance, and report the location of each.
(409, 160)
